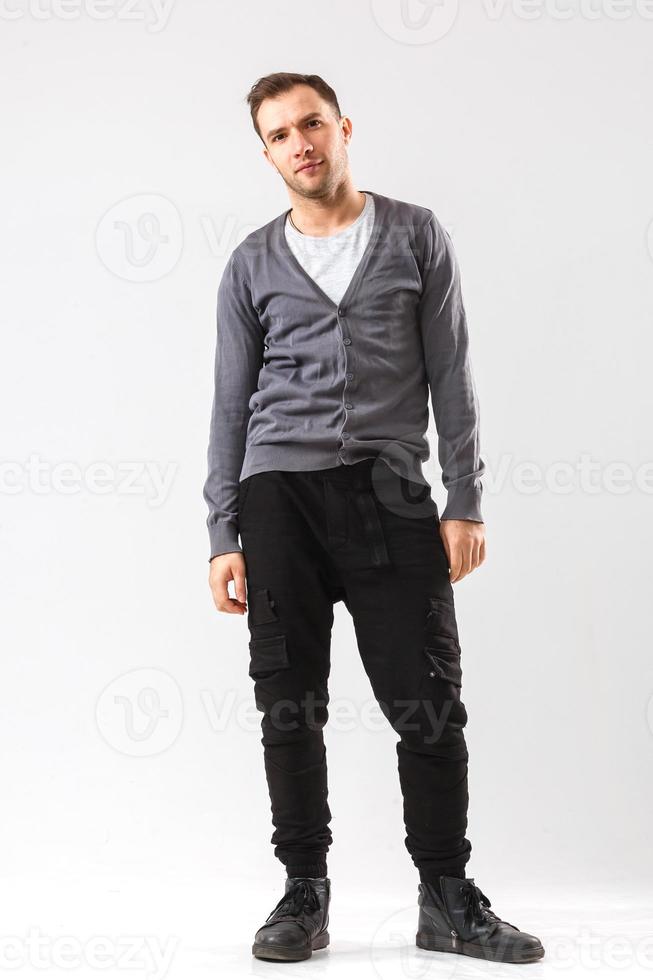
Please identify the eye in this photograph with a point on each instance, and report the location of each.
(309, 123)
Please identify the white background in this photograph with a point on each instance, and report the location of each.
(135, 804)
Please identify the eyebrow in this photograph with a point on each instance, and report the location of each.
(280, 129)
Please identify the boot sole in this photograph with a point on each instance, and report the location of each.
(441, 945)
(263, 951)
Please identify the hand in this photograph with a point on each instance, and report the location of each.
(222, 570)
(464, 544)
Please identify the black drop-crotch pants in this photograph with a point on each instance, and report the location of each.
(363, 534)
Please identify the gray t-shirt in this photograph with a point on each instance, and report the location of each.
(332, 259)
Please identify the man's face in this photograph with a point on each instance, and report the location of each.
(299, 127)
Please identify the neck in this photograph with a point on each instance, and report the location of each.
(329, 214)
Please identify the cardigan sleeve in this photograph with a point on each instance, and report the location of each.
(238, 360)
(445, 340)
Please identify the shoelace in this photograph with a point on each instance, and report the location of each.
(477, 905)
(300, 896)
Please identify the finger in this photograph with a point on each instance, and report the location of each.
(465, 561)
(219, 592)
(455, 564)
(476, 554)
(235, 606)
(219, 582)
(239, 583)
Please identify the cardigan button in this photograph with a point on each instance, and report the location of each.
(347, 340)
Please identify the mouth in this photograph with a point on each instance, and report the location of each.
(311, 168)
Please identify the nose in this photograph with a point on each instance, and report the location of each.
(299, 143)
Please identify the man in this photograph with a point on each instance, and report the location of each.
(332, 322)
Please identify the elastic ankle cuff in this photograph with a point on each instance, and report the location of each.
(433, 877)
(318, 870)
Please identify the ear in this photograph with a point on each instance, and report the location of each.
(268, 157)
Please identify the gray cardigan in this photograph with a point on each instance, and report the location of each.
(304, 383)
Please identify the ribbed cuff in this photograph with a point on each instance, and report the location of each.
(317, 869)
(223, 538)
(305, 865)
(463, 504)
(433, 877)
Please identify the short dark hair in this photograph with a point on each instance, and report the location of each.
(269, 86)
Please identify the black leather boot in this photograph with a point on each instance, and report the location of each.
(298, 923)
(461, 922)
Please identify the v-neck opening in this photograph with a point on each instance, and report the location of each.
(358, 271)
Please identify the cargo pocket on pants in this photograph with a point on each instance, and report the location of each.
(442, 647)
(267, 656)
(445, 664)
(262, 607)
